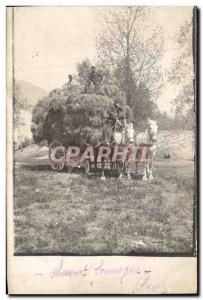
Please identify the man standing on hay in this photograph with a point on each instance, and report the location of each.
(94, 77)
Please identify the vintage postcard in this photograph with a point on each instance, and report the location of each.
(102, 154)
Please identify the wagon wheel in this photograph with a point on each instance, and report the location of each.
(113, 167)
(57, 156)
(87, 166)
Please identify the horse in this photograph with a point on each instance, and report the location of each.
(148, 137)
(123, 137)
(96, 138)
(113, 136)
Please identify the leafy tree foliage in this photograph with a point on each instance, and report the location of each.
(129, 51)
(182, 70)
(83, 69)
(19, 103)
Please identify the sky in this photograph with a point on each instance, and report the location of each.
(49, 41)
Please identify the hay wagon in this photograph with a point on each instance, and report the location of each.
(58, 158)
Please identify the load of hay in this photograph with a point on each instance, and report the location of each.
(70, 116)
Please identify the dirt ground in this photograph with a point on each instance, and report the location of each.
(70, 212)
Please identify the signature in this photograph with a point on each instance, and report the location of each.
(60, 271)
(141, 278)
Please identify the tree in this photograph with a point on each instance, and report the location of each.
(19, 103)
(130, 49)
(143, 107)
(182, 73)
(83, 69)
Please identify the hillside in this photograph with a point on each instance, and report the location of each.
(31, 92)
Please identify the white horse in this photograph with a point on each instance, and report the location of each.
(148, 137)
(126, 136)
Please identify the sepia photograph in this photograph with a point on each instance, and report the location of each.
(112, 77)
(104, 131)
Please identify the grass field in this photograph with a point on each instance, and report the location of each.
(79, 214)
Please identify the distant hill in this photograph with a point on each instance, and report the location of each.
(31, 92)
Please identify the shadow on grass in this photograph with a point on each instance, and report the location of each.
(75, 170)
(36, 167)
(39, 168)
